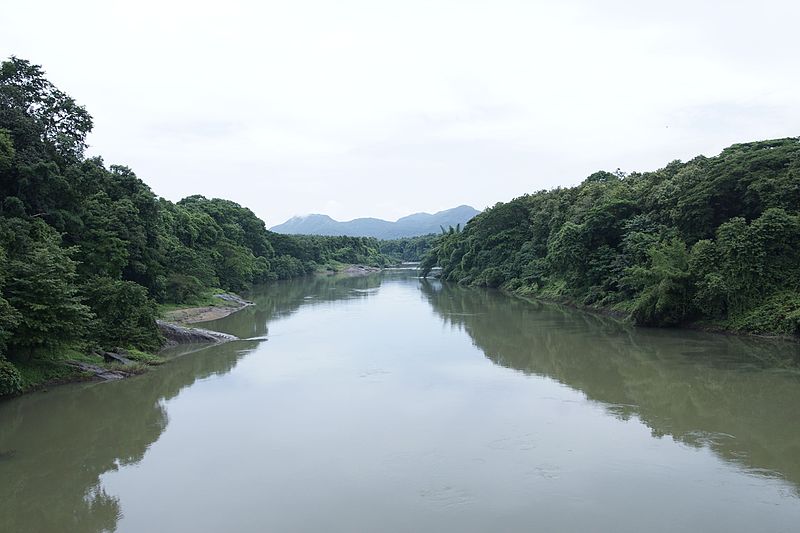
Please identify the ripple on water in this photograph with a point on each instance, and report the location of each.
(446, 497)
(523, 442)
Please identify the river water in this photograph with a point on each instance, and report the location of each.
(392, 404)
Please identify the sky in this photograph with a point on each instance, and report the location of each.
(383, 109)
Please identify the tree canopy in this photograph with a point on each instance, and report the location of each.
(715, 239)
(88, 250)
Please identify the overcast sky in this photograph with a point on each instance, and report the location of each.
(381, 108)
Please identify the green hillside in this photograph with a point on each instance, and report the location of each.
(714, 241)
(87, 251)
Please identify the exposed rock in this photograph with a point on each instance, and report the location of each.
(111, 357)
(180, 335)
(190, 315)
(234, 298)
(98, 371)
(360, 270)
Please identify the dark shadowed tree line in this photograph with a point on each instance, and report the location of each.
(409, 249)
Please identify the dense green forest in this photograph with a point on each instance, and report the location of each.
(407, 248)
(87, 251)
(714, 241)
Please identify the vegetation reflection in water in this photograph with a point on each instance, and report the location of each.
(731, 395)
(55, 445)
(736, 395)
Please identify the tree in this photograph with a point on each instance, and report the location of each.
(9, 317)
(41, 287)
(26, 96)
(7, 152)
(664, 290)
(125, 314)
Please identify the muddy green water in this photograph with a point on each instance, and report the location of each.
(389, 404)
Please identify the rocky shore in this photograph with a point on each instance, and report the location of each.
(177, 334)
(229, 303)
(359, 270)
(120, 364)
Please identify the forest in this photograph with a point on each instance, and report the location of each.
(88, 251)
(713, 243)
(410, 249)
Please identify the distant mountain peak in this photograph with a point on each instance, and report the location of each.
(311, 216)
(408, 226)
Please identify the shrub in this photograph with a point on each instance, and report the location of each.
(125, 315)
(183, 289)
(778, 314)
(665, 286)
(10, 378)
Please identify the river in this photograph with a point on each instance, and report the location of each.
(392, 404)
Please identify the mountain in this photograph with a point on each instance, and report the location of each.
(410, 226)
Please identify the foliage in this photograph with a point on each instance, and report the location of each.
(52, 119)
(182, 289)
(10, 378)
(314, 250)
(41, 288)
(780, 313)
(125, 314)
(87, 250)
(407, 249)
(662, 287)
(711, 239)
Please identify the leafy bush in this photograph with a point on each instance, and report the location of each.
(778, 314)
(183, 289)
(10, 378)
(125, 314)
(40, 287)
(492, 277)
(664, 289)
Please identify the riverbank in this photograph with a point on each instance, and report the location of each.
(349, 270)
(219, 306)
(74, 366)
(620, 313)
(359, 270)
(71, 366)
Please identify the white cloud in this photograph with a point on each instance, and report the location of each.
(383, 108)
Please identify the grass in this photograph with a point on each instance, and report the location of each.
(144, 357)
(49, 368)
(133, 368)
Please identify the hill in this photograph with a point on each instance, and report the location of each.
(410, 226)
(88, 252)
(714, 242)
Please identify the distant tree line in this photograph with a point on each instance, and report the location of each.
(408, 249)
(87, 250)
(715, 240)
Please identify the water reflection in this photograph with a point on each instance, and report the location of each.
(54, 446)
(737, 396)
(734, 396)
(282, 299)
